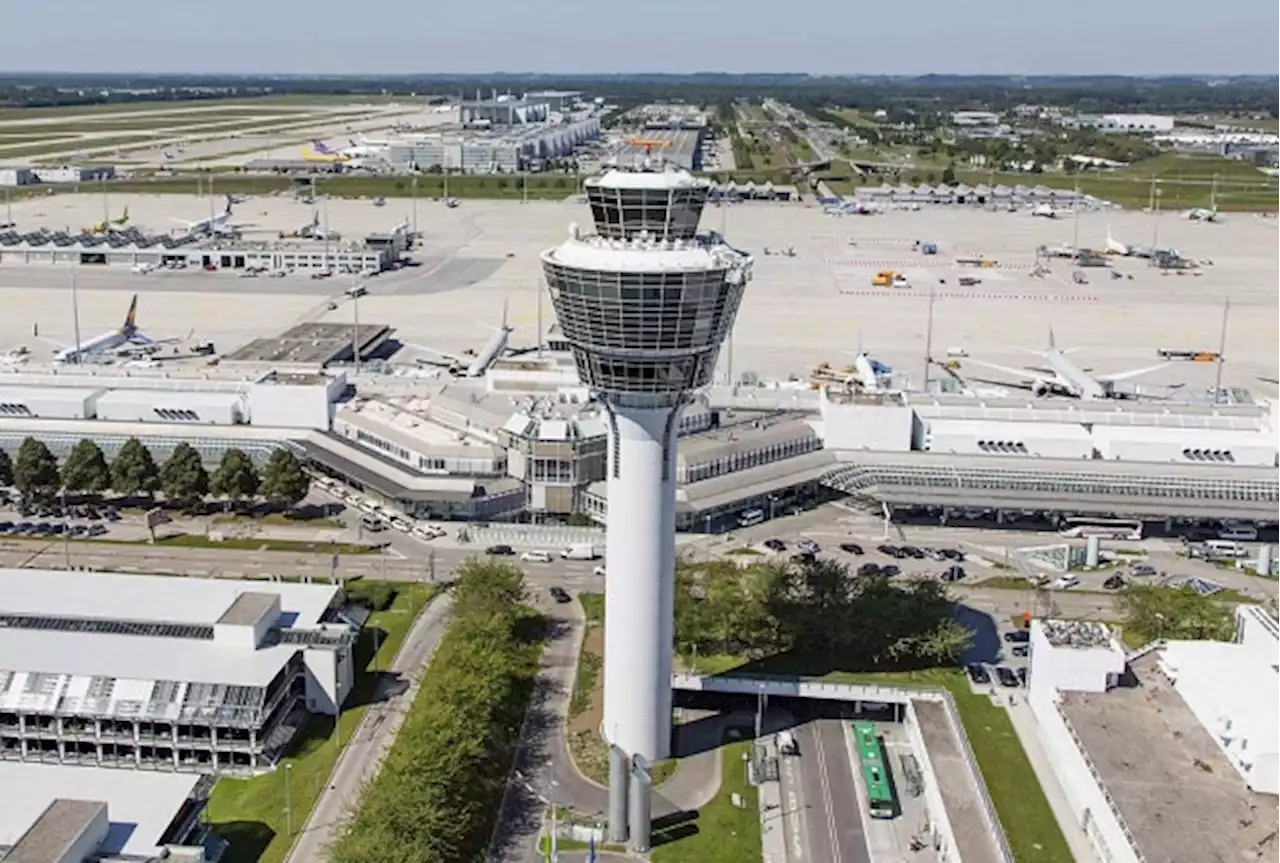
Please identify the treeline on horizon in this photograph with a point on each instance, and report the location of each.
(1253, 94)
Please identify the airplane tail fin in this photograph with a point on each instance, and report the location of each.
(229, 202)
(131, 319)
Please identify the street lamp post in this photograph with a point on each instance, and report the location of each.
(66, 533)
(288, 800)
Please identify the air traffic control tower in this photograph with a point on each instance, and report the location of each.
(645, 303)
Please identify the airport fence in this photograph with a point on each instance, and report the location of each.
(525, 536)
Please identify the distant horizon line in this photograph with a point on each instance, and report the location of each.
(1138, 76)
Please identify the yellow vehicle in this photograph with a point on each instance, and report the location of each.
(883, 279)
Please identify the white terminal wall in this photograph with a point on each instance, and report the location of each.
(1042, 440)
(48, 402)
(295, 405)
(1154, 444)
(871, 427)
(146, 406)
(1078, 669)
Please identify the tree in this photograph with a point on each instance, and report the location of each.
(236, 477)
(35, 471)
(85, 469)
(283, 479)
(6, 468)
(183, 478)
(1163, 612)
(949, 175)
(134, 471)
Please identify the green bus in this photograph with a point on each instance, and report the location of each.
(875, 771)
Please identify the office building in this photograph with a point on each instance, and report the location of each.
(162, 673)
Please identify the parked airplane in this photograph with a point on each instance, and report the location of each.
(124, 339)
(1065, 377)
(15, 356)
(219, 224)
(473, 364)
(1044, 210)
(107, 224)
(1203, 214)
(320, 152)
(1115, 247)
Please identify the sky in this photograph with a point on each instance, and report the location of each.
(620, 36)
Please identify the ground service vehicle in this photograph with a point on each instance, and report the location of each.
(579, 551)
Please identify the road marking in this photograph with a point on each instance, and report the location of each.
(827, 804)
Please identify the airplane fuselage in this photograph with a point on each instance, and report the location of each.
(100, 344)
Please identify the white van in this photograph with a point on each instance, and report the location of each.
(579, 551)
(1224, 548)
(750, 517)
(536, 556)
(1237, 530)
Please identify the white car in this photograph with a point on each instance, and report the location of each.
(429, 532)
(536, 556)
(1065, 582)
(599, 570)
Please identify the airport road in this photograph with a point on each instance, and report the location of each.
(820, 785)
(364, 753)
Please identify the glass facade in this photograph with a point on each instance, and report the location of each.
(666, 213)
(644, 332)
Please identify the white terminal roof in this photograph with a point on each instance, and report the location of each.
(169, 399)
(1200, 437)
(27, 394)
(116, 673)
(643, 255)
(668, 179)
(140, 804)
(117, 596)
(1012, 431)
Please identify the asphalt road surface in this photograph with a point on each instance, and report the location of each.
(820, 798)
(363, 754)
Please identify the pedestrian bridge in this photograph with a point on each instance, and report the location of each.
(800, 687)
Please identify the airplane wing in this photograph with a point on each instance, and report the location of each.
(442, 358)
(1023, 374)
(62, 346)
(1133, 373)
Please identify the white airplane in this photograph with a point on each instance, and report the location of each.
(124, 339)
(1203, 214)
(473, 365)
(213, 225)
(1065, 377)
(15, 356)
(1044, 210)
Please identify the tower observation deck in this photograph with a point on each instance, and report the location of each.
(645, 302)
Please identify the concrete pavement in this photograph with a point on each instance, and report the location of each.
(361, 758)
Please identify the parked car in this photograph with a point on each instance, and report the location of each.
(869, 570)
(1006, 676)
(1022, 675)
(1141, 570)
(1021, 649)
(1114, 582)
(808, 546)
(889, 570)
(803, 557)
(1065, 582)
(1018, 636)
(890, 550)
(775, 545)
(851, 548)
(953, 573)
(500, 550)
(599, 570)
(560, 595)
(977, 673)
(536, 556)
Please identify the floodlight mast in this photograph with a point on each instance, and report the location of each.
(645, 304)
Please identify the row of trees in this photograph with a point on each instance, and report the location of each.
(182, 478)
(1162, 612)
(438, 792)
(818, 610)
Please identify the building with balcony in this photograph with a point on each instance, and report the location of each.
(160, 673)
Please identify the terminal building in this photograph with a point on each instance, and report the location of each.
(132, 247)
(506, 150)
(169, 674)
